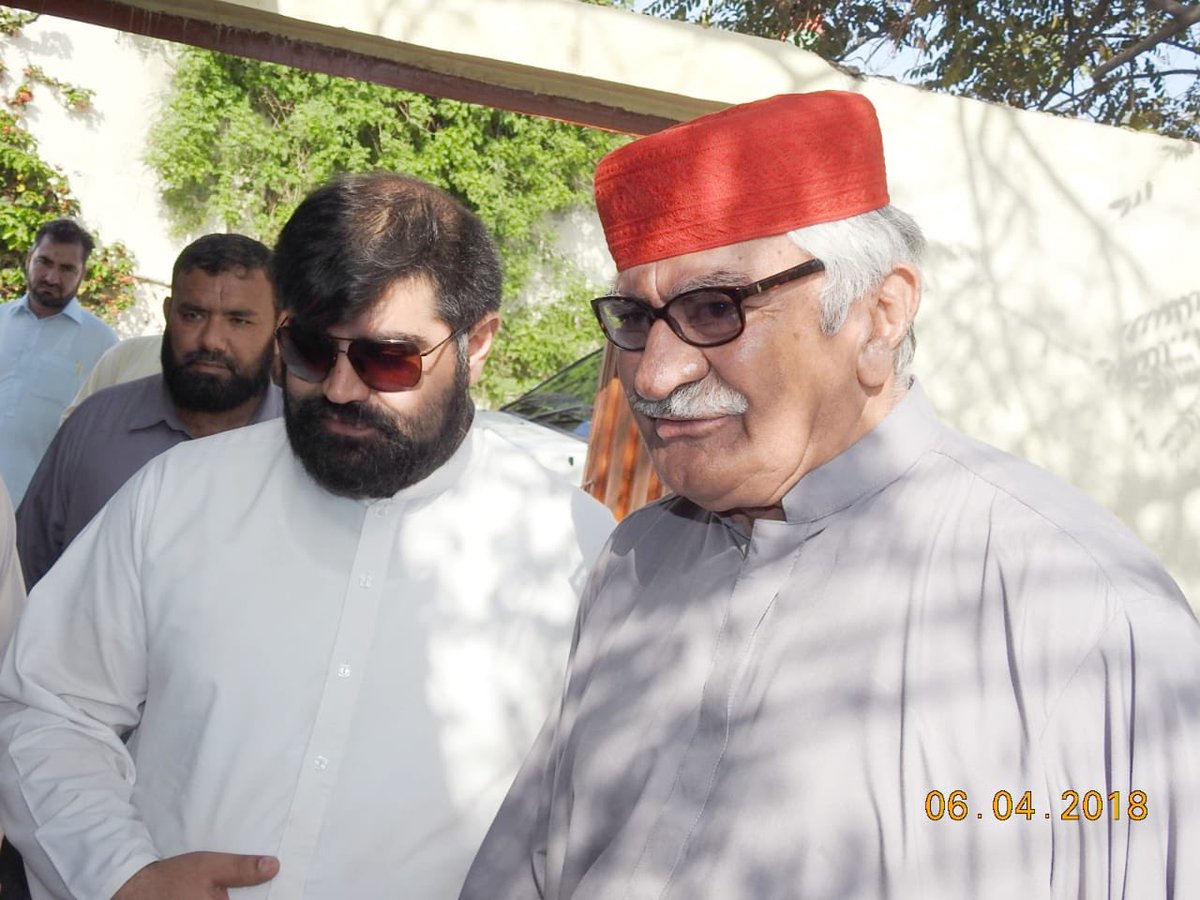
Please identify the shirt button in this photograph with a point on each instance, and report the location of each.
(381, 509)
(364, 581)
(343, 671)
(320, 763)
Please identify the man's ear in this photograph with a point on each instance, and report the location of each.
(167, 308)
(277, 372)
(892, 308)
(479, 344)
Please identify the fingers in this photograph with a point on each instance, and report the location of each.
(237, 870)
(198, 876)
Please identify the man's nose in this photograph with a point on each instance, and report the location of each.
(343, 384)
(666, 363)
(214, 334)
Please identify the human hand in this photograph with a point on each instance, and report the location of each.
(198, 876)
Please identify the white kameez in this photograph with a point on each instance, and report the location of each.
(349, 685)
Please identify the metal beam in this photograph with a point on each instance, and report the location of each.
(253, 31)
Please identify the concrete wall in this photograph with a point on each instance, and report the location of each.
(1062, 315)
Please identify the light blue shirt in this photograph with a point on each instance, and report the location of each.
(43, 363)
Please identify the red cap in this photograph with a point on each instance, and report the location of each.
(753, 170)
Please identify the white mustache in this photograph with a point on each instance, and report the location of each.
(708, 398)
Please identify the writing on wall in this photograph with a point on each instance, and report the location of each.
(1158, 368)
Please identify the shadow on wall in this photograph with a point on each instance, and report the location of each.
(1051, 333)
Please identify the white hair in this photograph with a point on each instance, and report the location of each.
(859, 253)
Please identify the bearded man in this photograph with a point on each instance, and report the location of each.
(857, 655)
(305, 658)
(48, 346)
(217, 350)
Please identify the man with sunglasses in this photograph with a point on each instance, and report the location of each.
(327, 642)
(216, 352)
(856, 655)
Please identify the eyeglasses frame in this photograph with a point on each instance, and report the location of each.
(736, 296)
(343, 347)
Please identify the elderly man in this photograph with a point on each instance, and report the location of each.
(858, 655)
(48, 345)
(216, 351)
(328, 641)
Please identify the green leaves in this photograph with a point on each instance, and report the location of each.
(535, 341)
(241, 142)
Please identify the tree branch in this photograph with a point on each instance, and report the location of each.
(1172, 7)
(1073, 52)
(1184, 17)
(1179, 46)
(1165, 72)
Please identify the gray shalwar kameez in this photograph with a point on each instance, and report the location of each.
(768, 718)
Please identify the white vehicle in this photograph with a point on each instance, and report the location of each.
(552, 421)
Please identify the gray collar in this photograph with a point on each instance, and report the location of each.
(869, 465)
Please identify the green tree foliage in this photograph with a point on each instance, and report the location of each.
(32, 190)
(240, 142)
(1127, 62)
(524, 356)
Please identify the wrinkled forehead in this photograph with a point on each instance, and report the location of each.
(730, 265)
(237, 286)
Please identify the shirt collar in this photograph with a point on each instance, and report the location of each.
(158, 407)
(73, 310)
(870, 464)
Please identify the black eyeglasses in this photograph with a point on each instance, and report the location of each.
(705, 317)
(383, 365)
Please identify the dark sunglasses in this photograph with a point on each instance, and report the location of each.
(705, 317)
(383, 365)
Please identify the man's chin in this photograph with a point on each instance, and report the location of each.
(50, 301)
(692, 471)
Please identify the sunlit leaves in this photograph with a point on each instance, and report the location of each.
(1024, 53)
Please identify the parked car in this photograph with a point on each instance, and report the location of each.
(552, 421)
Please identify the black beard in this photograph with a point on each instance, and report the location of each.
(404, 451)
(206, 392)
(49, 300)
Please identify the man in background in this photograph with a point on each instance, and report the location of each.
(216, 354)
(330, 639)
(48, 345)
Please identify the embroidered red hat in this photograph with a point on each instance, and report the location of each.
(749, 171)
